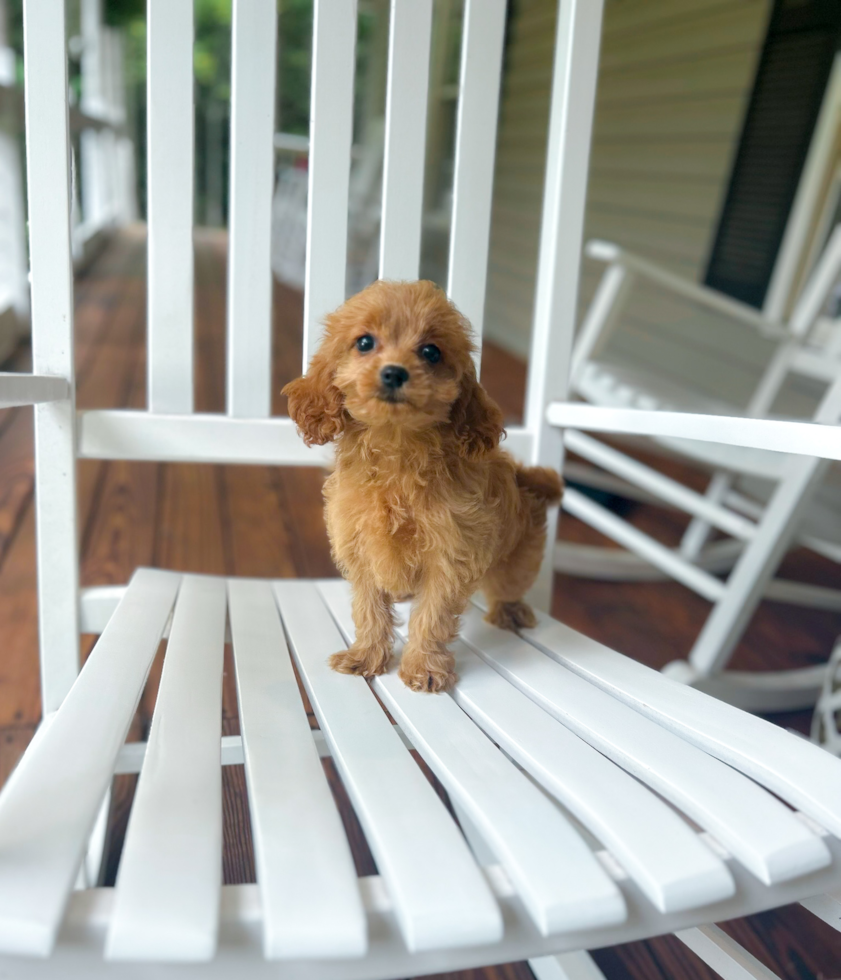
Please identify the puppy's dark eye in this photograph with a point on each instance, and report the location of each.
(429, 352)
(365, 343)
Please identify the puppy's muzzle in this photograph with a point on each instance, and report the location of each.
(392, 379)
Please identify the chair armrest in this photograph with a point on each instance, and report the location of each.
(817, 439)
(615, 255)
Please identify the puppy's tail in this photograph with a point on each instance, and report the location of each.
(541, 483)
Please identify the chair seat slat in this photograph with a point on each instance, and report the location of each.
(797, 770)
(308, 884)
(410, 33)
(252, 165)
(169, 880)
(652, 843)
(559, 879)
(758, 830)
(440, 897)
(49, 804)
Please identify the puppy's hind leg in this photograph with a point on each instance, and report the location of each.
(508, 581)
(370, 653)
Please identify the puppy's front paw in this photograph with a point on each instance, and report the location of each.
(511, 616)
(366, 662)
(430, 673)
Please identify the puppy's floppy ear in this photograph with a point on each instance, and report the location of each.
(316, 405)
(476, 418)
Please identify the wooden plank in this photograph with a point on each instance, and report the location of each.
(410, 33)
(558, 877)
(169, 98)
(119, 434)
(166, 905)
(308, 887)
(31, 389)
(811, 439)
(331, 129)
(483, 32)
(442, 901)
(49, 806)
(795, 769)
(48, 183)
(654, 845)
(753, 826)
(252, 174)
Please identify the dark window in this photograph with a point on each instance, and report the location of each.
(791, 78)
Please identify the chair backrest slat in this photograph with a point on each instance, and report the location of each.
(574, 77)
(478, 109)
(252, 162)
(410, 35)
(170, 205)
(331, 131)
(48, 180)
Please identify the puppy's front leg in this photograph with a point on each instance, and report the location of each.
(374, 622)
(427, 664)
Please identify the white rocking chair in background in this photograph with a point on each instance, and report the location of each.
(553, 868)
(759, 533)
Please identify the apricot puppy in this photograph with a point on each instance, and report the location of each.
(422, 503)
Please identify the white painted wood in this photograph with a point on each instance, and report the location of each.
(252, 177)
(810, 188)
(800, 438)
(667, 559)
(576, 59)
(724, 955)
(652, 844)
(132, 754)
(97, 605)
(169, 99)
(170, 873)
(794, 769)
(679, 286)
(78, 955)
(410, 32)
(662, 487)
(48, 188)
(310, 899)
(602, 315)
(560, 881)
(441, 901)
(748, 821)
(119, 434)
(483, 33)
(570, 128)
(32, 389)
(331, 130)
(48, 807)
(567, 966)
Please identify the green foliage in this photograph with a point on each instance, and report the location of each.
(294, 66)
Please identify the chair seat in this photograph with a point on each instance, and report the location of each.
(598, 802)
(630, 386)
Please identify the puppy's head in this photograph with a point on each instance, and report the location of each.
(398, 354)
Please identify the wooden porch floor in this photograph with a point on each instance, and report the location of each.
(260, 521)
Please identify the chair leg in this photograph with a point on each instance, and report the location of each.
(724, 955)
(752, 572)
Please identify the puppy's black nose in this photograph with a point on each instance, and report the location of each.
(394, 376)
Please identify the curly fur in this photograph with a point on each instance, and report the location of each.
(422, 503)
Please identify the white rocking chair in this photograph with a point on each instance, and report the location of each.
(758, 534)
(600, 801)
